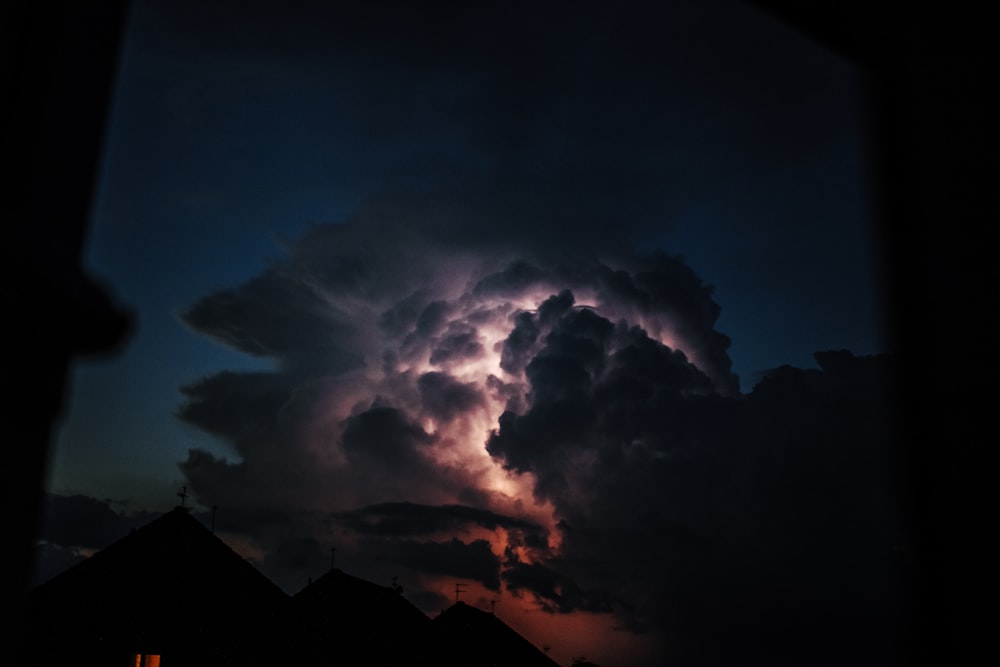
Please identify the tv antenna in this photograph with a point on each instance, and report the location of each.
(183, 495)
(459, 589)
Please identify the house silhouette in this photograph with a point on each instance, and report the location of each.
(479, 638)
(170, 588)
(357, 622)
(173, 593)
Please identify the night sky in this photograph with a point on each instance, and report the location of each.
(579, 303)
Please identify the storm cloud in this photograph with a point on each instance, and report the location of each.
(482, 367)
(567, 430)
(771, 518)
(417, 366)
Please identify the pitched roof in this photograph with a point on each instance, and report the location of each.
(337, 594)
(174, 588)
(342, 613)
(170, 586)
(173, 550)
(480, 638)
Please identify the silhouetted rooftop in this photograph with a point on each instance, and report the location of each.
(170, 586)
(175, 589)
(480, 638)
(340, 614)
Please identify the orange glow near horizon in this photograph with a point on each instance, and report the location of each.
(565, 637)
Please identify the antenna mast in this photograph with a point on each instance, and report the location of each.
(459, 589)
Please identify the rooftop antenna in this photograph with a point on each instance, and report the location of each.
(493, 607)
(183, 495)
(546, 648)
(459, 589)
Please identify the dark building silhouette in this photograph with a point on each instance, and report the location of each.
(341, 618)
(170, 589)
(172, 592)
(477, 638)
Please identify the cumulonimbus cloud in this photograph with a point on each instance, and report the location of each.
(564, 428)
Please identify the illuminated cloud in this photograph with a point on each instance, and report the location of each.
(564, 429)
(392, 368)
(480, 372)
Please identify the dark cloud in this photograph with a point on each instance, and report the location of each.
(593, 387)
(260, 415)
(386, 435)
(557, 592)
(603, 379)
(457, 346)
(555, 306)
(514, 280)
(519, 343)
(432, 319)
(474, 561)
(82, 521)
(303, 324)
(572, 356)
(402, 316)
(603, 387)
(484, 310)
(444, 398)
(236, 406)
(661, 290)
(410, 519)
(769, 518)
